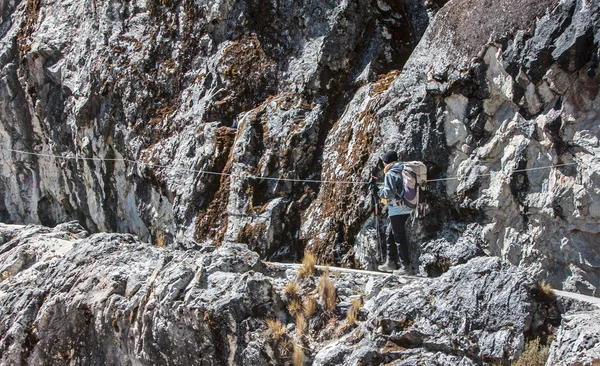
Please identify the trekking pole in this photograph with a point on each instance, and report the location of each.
(377, 228)
(377, 222)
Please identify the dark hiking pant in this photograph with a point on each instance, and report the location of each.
(397, 244)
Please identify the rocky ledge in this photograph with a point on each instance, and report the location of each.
(70, 298)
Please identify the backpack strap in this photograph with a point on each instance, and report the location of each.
(399, 183)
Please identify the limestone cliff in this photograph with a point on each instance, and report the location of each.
(308, 90)
(70, 298)
(236, 87)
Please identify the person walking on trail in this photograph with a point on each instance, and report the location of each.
(391, 195)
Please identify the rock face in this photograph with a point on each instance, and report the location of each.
(222, 132)
(477, 106)
(477, 312)
(247, 88)
(145, 101)
(577, 340)
(69, 298)
(110, 299)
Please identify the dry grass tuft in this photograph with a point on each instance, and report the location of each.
(534, 355)
(298, 357)
(310, 306)
(300, 325)
(353, 311)
(351, 316)
(294, 307)
(327, 292)
(308, 265)
(292, 289)
(276, 328)
(285, 347)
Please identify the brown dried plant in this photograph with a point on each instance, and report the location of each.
(276, 328)
(294, 307)
(285, 347)
(324, 277)
(547, 290)
(535, 354)
(300, 325)
(308, 265)
(310, 306)
(298, 357)
(352, 314)
(327, 292)
(292, 289)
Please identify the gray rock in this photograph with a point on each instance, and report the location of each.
(577, 341)
(143, 102)
(111, 299)
(169, 94)
(479, 109)
(478, 311)
(245, 88)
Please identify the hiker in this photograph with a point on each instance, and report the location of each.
(391, 195)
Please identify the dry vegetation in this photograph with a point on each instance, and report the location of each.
(327, 292)
(294, 307)
(292, 290)
(310, 306)
(277, 329)
(298, 355)
(286, 347)
(535, 354)
(308, 265)
(303, 303)
(300, 325)
(353, 311)
(547, 290)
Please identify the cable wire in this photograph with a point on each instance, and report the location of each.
(252, 176)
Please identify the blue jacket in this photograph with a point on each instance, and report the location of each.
(393, 190)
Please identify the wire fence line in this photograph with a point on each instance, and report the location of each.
(511, 172)
(137, 162)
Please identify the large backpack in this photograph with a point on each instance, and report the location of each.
(414, 175)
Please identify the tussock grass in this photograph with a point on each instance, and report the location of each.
(294, 307)
(534, 354)
(308, 265)
(353, 311)
(277, 329)
(285, 347)
(298, 357)
(310, 306)
(327, 292)
(300, 325)
(351, 316)
(292, 289)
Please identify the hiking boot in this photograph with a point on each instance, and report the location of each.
(402, 271)
(389, 266)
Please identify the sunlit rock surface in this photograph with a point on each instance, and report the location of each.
(70, 298)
